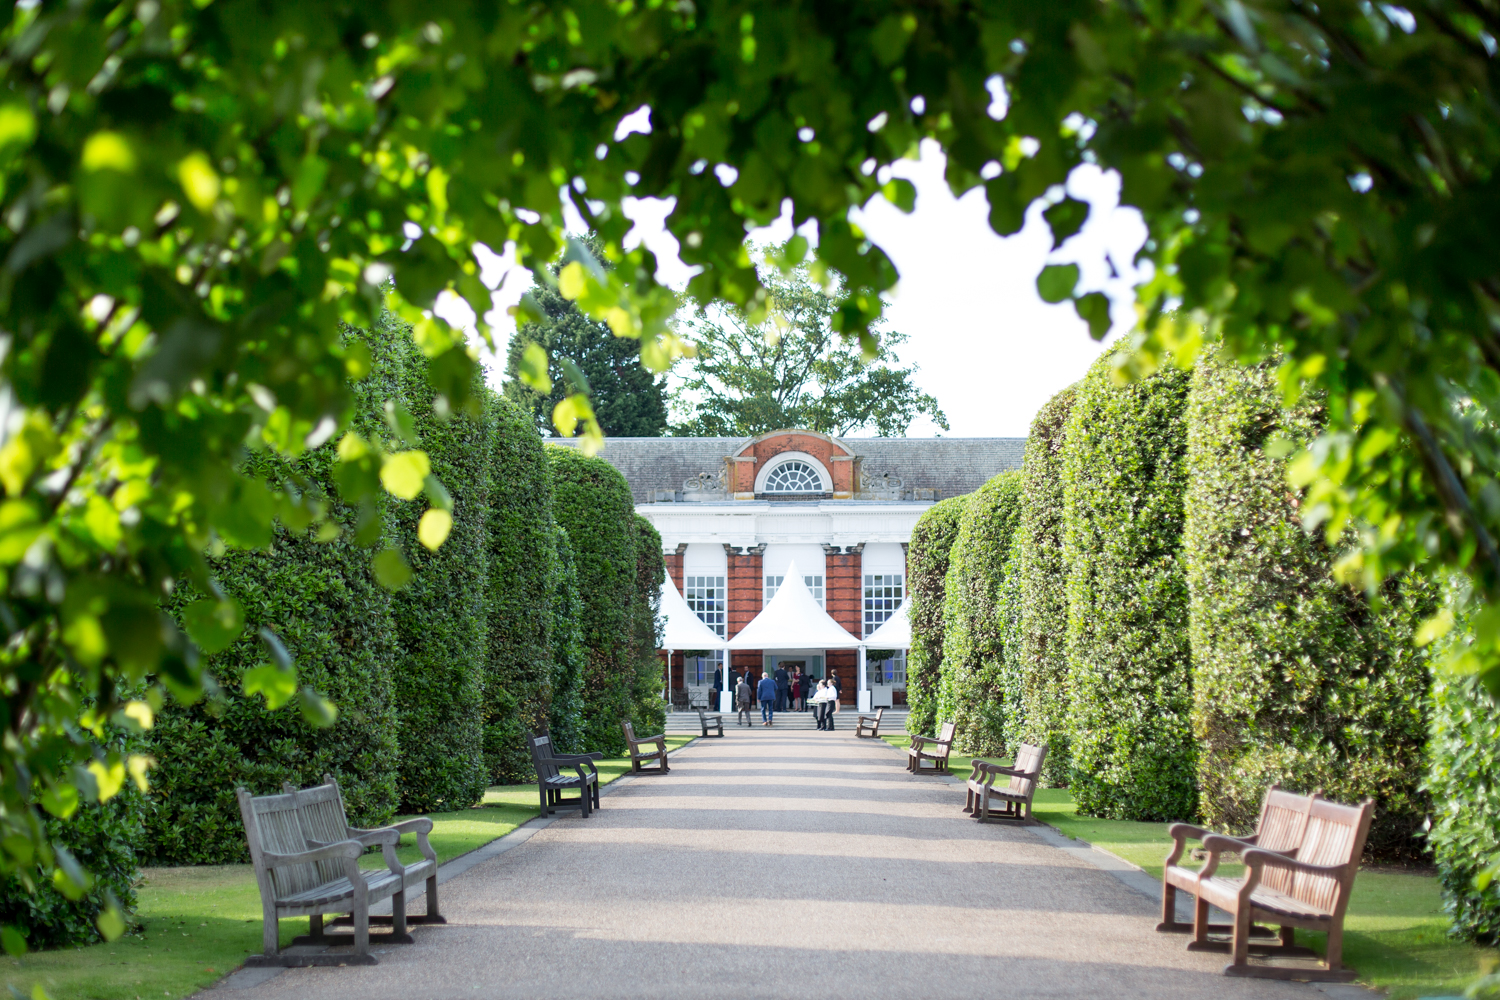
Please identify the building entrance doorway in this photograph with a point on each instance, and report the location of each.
(811, 664)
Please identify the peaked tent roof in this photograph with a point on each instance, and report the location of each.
(895, 633)
(684, 629)
(793, 620)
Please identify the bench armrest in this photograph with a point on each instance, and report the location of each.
(573, 758)
(420, 825)
(350, 849)
(651, 739)
(368, 838)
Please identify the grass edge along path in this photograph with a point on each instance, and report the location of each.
(1395, 932)
(199, 923)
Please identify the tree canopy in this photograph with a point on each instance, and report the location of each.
(195, 197)
(627, 398)
(791, 368)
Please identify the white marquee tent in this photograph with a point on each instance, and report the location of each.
(793, 619)
(896, 632)
(683, 629)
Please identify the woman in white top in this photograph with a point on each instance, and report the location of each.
(820, 702)
(832, 707)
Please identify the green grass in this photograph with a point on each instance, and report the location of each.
(1395, 933)
(199, 923)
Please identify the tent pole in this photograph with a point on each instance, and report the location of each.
(864, 683)
(666, 694)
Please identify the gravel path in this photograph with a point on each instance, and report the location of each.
(784, 865)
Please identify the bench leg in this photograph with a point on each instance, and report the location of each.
(433, 916)
(270, 934)
(362, 931)
(398, 914)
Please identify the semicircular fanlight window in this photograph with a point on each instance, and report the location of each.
(794, 477)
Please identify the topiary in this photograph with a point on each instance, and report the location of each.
(521, 591)
(648, 708)
(1130, 728)
(927, 571)
(976, 618)
(440, 615)
(1297, 678)
(592, 501)
(320, 598)
(569, 656)
(1041, 575)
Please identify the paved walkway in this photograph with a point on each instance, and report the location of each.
(785, 866)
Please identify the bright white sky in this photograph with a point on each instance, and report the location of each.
(987, 346)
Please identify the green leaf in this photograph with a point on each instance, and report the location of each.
(61, 800)
(399, 419)
(1056, 282)
(275, 649)
(312, 173)
(278, 685)
(13, 941)
(111, 922)
(1093, 309)
(212, 624)
(533, 369)
(391, 569)
(404, 473)
(1435, 627)
(1065, 219)
(318, 711)
(900, 193)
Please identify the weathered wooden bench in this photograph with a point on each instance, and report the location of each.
(706, 721)
(551, 782)
(1013, 797)
(870, 723)
(1310, 891)
(1283, 818)
(324, 820)
(918, 752)
(639, 757)
(298, 878)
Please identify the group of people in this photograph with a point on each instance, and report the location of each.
(783, 690)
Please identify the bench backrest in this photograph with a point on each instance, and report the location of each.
(1335, 835)
(630, 729)
(272, 826)
(945, 738)
(1283, 821)
(541, 756)
(702, 718)
(879, 714)
(321, 812)
(1028, 759)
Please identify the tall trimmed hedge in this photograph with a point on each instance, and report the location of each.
(976, 618)
(1463, 778)
(927, 572)
(1041, 578)
(569, 655)
(592, 501)
(321, 599)
(1297, 679)
(440, 616)
(1130, 728)
(648, 711)
(522, 588)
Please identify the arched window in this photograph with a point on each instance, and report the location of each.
(794, 477)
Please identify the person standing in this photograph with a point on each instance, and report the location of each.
(831, 707)
(743, 698)
(796, 688)
(819, 698)
(783, 688)
(766, 692)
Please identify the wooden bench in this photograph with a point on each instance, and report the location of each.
(1013, 797)
(638, 757)
(918, 752)
(324, 820)
(297, 878)
(706, 721)
(1310, 891)
(869, 722)
(551, 782)
(1283, 818)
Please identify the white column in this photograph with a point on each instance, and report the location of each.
(864, 683)
(667, 690)
(726, 697)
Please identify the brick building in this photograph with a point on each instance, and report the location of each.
(734, 513)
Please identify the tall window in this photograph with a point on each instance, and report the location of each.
(888, 672)
(814, 584)
(883, 593)
(794, 477)
(708, 598)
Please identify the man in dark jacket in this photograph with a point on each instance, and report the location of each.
(783, 688)
(766, 692)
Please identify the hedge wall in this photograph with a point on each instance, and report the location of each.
(592, 501)
(522, 587)
(1041, 575)
(336, 621)
(1296, 677)
(648, 711)
(1463, 778)
(1130, 729)
(976, 618)
(927, 570)
(106, 838)
(569, 655)
(440, 616)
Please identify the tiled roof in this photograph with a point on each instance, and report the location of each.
(949, 466)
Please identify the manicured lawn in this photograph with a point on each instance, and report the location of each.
(199, 923)
(1395, 932)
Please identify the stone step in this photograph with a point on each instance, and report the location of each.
(892, 723)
